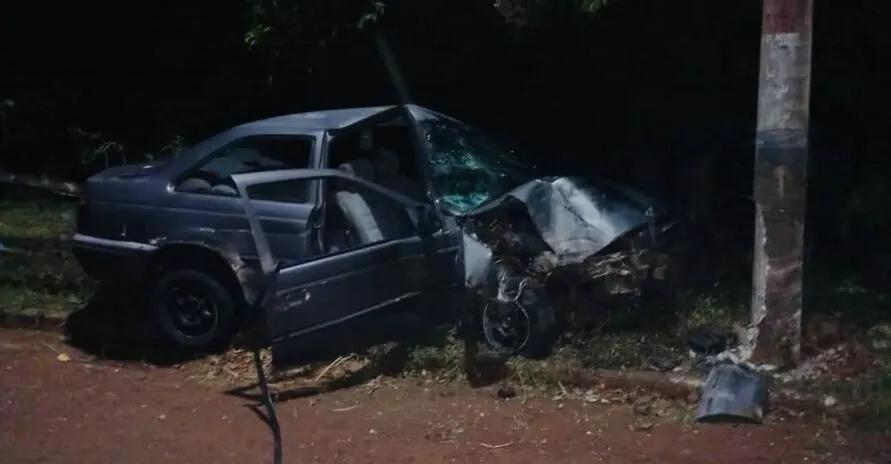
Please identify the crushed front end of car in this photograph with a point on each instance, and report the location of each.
(600, 249)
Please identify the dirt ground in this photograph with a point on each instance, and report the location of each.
(81, 410)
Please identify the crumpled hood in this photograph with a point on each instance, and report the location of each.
(579, 217)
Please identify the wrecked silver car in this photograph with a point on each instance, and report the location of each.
(377, 221)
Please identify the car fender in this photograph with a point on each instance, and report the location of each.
(225, 243)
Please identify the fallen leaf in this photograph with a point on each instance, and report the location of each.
(503, 445)
(639, 426)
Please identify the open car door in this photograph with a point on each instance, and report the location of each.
(335, 302)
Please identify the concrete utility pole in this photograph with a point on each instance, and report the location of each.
(780, 181)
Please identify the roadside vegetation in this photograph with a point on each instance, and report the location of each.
(39, 273)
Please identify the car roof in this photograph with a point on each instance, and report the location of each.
(331, 120)
(319, 120)
(308, 122)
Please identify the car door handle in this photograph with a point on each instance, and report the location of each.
(293, 299)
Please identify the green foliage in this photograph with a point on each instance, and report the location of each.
(522, 12)
(281, 27)
(171, 150)
(43, 274)
(97, 152)
(95, 149)
(292, 34)
(34, 221)
(592, 6)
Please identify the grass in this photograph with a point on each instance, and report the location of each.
(870, 392)
(865, 398)
(598, 349)
(35, 220)
(42, 274)
(865, 318)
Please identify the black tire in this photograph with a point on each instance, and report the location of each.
(210, 327)
(527, 317)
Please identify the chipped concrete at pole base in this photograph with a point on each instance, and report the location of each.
(777, 280)
(759, 311)
(777, 309)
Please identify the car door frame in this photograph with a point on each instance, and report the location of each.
(291, 298)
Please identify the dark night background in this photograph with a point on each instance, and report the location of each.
(659, 94)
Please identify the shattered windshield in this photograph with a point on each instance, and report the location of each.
(469, 167)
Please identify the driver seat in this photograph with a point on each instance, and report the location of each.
(353, 204)
(372, 218)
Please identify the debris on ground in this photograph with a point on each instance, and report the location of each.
(733, 392)
(840, 362)
(707, 342)
(736, 388)
(662, 362)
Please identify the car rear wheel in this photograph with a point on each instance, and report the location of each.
(193, 310)
(517, 316)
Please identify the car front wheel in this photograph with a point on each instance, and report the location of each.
(193, 310)
(517, 316)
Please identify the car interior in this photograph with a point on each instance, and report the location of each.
(385, 155)
(253, 155)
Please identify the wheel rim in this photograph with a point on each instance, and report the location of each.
(191, 310)
(506, 326)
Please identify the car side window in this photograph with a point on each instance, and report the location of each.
(254, 154)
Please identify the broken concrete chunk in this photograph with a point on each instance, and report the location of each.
(733, 393)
